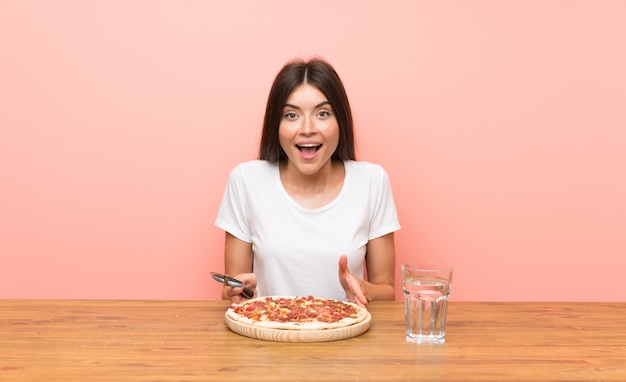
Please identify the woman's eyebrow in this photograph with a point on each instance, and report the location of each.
(322, 104)
(316, 106)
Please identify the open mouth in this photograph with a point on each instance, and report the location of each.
(309, 148)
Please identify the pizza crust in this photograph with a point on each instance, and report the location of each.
(361, 314)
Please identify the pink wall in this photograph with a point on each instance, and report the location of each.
(501, 124)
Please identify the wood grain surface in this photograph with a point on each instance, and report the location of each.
(58, 340)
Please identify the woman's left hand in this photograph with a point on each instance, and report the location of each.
(352, 285)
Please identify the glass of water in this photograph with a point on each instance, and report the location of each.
(426, 287)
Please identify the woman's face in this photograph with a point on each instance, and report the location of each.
(308, 131)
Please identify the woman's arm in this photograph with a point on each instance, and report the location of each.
(381, 267)
(238, 264)
(380, 262)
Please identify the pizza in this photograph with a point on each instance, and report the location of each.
(297, 313)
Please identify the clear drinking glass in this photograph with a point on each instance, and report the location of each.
(426, 287)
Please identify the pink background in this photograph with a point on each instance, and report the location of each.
(502, 125)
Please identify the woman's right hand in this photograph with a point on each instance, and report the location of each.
(234, 294)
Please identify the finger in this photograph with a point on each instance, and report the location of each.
(230, 291)
(359, 303)
(343, 263)
(361, 300)
(354, 299)
(233, 291)
(344, 272)
(249, 279)
(355, 286)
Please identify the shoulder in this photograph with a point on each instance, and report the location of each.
(253, 168)
(365, 169)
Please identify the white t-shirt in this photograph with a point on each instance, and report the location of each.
(296, 249)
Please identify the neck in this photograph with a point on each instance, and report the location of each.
(315, 189)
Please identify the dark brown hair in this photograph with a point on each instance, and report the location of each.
(323, 76)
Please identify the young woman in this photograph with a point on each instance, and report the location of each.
(307, 218)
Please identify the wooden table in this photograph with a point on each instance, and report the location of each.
(60, 340)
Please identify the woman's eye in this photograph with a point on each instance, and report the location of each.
(290, 115)
(323, 114)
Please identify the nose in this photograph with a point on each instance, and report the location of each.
(308, 126)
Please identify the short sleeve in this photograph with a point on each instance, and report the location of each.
(384, 217)
(232, 215)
